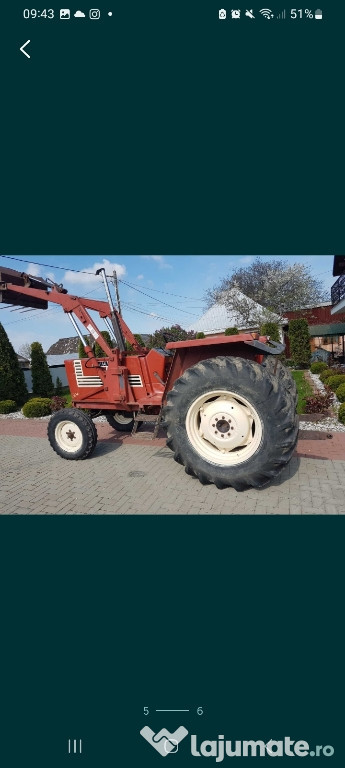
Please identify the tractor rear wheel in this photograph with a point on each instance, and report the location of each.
(276, 368)
(231, 423)
(72, 434)
(123, 421)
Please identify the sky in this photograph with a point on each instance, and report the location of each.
(155, 291)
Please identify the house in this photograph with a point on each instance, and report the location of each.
(63, 346)
(24, 362)
(326, 332)
(338, 288)
(66, 347)
(216, 319)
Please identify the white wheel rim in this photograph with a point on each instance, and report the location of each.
(122, 419)
(224, 428)
(68, 436)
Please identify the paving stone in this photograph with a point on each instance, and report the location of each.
(103, 484)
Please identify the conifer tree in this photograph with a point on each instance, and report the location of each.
(300, 342)
(42, 382)
(12, 380)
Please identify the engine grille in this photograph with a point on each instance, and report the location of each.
(134, 380)
(85, 381)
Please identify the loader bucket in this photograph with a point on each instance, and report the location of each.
(10, 277)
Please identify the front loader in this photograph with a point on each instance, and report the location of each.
(227, 402)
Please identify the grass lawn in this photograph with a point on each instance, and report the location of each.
(303, 388)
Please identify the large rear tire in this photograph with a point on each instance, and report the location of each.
(123, 421)
(276, 368)
(72, 434)
(231, 423)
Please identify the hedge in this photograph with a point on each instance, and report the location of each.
(341, 413)
(8, 406)
(38, 406)
(318, 367)
(334, 381)
(340, 393)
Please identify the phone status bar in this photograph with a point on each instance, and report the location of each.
(268, 14)
(65, 14)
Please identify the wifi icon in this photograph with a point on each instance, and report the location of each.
(267, 13)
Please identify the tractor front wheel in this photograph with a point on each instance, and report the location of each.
(231, 423)
(72, 434)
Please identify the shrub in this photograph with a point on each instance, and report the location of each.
(42, 382)
(318, 403)
(334, 381)
(341, 413)
(37, 406)
(7, 406)
(233, 331)
(57, 403)
(340, 393)
(271, 330)
(300, 342)
(325, 374)
(200, 335)
(318, 367)
(58, 387)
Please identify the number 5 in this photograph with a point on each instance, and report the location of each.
(146, 711)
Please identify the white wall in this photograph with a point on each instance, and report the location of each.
(56, 371)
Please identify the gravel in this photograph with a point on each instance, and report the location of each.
(328, 424)
(20, 415)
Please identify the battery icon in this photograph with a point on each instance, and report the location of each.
(318, 14)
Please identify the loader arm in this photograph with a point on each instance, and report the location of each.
(15, 286)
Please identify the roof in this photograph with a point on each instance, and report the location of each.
(60, 347)
(329, 329)
(59, 359)
(219, 317)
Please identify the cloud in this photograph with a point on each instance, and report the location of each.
(247, 259)
(79, 15)
(35, 270)
(86, 279)
(140, 277)
(160, 261)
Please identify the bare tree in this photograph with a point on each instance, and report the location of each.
(25, 350)
(276, 285)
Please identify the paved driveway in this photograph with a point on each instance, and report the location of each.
(136, 476)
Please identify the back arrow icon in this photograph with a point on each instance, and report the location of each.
(22, 49)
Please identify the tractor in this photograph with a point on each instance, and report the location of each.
(227, 402)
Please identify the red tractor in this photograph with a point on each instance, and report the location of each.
(227, 402)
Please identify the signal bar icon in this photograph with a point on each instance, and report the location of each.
(282, 15)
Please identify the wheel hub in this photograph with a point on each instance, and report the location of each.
(225, 423)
